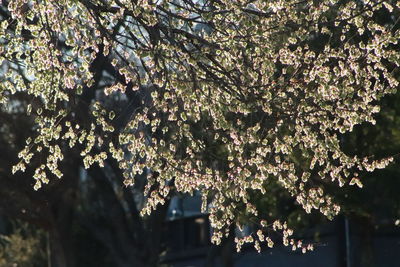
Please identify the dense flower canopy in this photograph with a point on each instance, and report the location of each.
(215, 96)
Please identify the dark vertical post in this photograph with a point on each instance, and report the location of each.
(347, 235)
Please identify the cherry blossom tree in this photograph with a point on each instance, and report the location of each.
(219, 97)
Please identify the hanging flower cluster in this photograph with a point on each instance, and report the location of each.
(229, 94)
